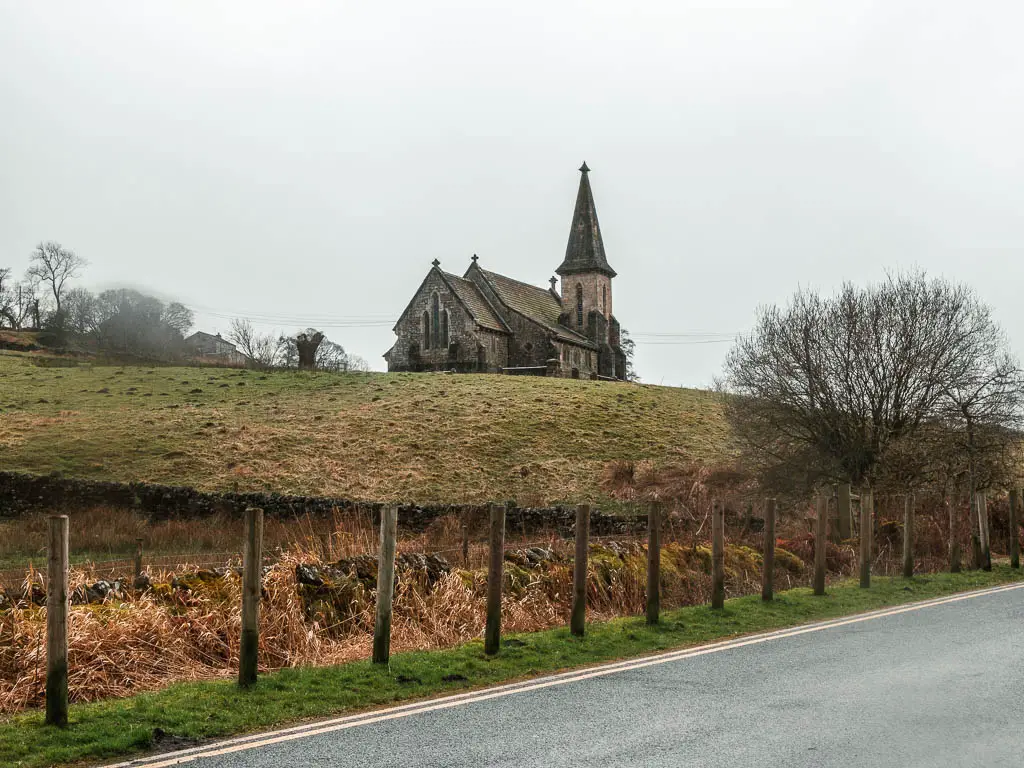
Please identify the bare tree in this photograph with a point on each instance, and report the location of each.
(629, 350)
(6, 299)
(984, 406)
(134, 324)
(331, 356)
(356, 363)
(53, 265)
(261, 349)
(179, 317)
(17, 301)
(825, 388)
(81, 311)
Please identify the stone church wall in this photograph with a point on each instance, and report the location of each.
(529, 345)
(572, 357)
(495, 350)
(462, 352)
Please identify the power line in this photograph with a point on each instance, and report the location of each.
(682, 343)
(648, 338)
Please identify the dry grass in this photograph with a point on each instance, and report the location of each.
(414, 437)
(145, 641)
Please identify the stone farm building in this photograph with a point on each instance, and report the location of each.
(487, 322)
(209, 348)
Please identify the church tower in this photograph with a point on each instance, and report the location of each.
(587, 283)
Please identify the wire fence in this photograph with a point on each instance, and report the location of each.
(468, 552)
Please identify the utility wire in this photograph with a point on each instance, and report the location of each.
(648, 338)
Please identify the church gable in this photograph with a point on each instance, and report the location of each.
(447, 325)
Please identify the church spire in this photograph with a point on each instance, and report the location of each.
(585, 251)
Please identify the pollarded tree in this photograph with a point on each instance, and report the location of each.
(328, 355)
(308, 343)
(823, 388)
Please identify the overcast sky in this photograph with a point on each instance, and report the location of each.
(303, 163)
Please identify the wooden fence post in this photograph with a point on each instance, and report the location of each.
(986, 532)
(385, 584)
(975, 561)
(653, 563)
(252, 576)
(138, 558)
(717, 555)
(578, 620)
(845, 512)
(908, 536)
(57, 622)
(768, 560)
(833, 514)
(495, 575)
(867, 508)
(954, 540)
(465, 544)
(1014, 528)
(820, 531)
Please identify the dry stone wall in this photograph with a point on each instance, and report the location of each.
(23, 493)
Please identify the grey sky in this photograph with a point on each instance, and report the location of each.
(304, 163)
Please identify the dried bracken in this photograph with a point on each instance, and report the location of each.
(318, 600)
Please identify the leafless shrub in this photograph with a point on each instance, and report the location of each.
(831, 389)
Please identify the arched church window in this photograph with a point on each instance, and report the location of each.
(579, 305)
(435, 320)
(604, 298)
(426, 331)
(444, 328)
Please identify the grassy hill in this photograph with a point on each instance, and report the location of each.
(416, 437)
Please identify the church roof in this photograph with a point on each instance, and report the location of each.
(585, 250)
(469, 294)
(537, 304)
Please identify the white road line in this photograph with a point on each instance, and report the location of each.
(432, 705)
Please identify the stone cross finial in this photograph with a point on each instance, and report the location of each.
(474, 258)
(436, 263)
(553, 281)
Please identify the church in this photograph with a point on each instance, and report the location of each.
(486, 322)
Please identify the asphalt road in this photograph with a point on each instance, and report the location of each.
(938, 686)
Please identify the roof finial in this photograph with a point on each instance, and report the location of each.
(474, 258)
(553, 281)
(584, 168)
(436, 263)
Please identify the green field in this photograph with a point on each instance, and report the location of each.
(409, 437)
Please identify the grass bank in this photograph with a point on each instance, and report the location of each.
(191, 712)
(380, 437)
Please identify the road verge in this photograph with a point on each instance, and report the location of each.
(186, 714)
